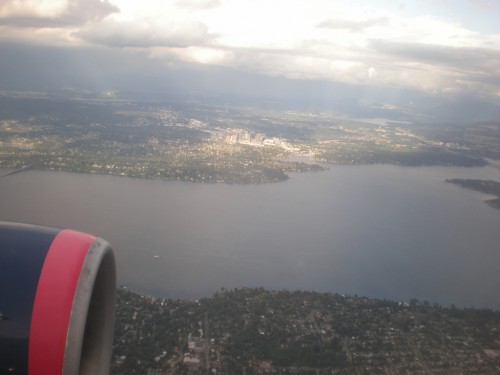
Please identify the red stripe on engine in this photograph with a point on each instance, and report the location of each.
(53, 301)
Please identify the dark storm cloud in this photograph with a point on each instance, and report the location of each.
(76, 12)
(354, 26)
(46, 68)
(125, 34)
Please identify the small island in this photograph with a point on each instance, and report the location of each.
(484, 186)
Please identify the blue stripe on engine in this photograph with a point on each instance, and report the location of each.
(22, 252)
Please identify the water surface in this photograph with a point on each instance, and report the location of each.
(380, 231)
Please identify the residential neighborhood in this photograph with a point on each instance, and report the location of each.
(257, 331)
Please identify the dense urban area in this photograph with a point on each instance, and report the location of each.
(256, 331)
(203, 143)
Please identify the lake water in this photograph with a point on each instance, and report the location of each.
(380, 231)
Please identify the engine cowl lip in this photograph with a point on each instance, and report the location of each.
(57, 290)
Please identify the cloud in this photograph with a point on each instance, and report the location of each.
(169, 33)
(488, 5)
(352, 25)
(434, 69)
(322, 40)
(198, 4)
(40, 14)
(474, 64)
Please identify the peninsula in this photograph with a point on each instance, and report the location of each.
(483, 186)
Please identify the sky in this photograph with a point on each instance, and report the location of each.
(430, 48)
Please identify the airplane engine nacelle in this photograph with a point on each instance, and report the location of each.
(57, 300)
